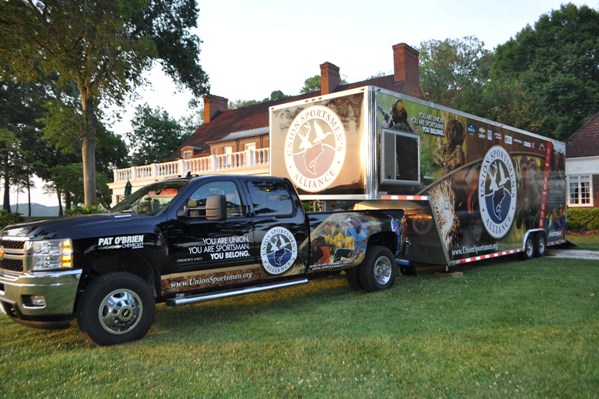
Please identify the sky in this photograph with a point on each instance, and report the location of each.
(251, 48)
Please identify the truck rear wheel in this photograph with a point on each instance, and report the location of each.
(116, 308)
(378, 270)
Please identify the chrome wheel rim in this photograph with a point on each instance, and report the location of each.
(529, 248)
(382, 270)
(541, 245)
(120, 311)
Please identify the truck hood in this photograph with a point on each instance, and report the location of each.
(84, 226)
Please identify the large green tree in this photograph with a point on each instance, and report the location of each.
(454, 71)
(103, 46)
(155, 135)
(21, 147)
(552, 70)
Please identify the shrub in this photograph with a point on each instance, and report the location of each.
(84, 210)
(9, 218)
(583, 219)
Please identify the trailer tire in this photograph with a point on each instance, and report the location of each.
(353, 278)
(116, 308)
(529, 248)
(540, 245)
(378, 271)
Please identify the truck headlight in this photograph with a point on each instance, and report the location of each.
(51, 254)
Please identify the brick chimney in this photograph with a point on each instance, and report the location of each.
(406, 69)
(329, 78)
(214, 105)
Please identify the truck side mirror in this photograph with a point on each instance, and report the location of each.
(216, 207)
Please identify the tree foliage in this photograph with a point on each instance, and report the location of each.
(103, 46)
(155, 135)
(67, 180)
(453, 72)
(554, 66)
(21, 147)
(275, 95)
(312, 84)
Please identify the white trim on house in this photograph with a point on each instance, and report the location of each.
(579, 172)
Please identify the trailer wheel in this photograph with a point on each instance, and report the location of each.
(116, 308)
(378, 270)
(540, 245)
(353, 278)
(529, 248)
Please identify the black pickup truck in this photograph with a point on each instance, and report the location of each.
(183, 241)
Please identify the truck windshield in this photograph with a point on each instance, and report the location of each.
(150, 199)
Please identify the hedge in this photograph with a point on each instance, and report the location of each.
(9, 218)
(583, 219)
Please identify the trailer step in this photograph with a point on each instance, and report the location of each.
(184, 300)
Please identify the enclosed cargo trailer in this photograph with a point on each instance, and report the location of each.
(470, 188)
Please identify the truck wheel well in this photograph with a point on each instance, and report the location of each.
(386, 239)
(130, 263)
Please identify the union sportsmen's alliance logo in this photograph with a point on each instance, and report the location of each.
(315, 148)
(497, 192)
(278, 250)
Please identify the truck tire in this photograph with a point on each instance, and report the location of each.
(353, 278)
(116, 308)
(378, 270)
(529, 248)
(540, 245)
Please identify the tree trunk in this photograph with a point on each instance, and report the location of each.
(6, 205)
(88, 150)
(29, 197)
(59, 195)
(68, 201)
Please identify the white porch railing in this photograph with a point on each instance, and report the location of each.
(199, 166)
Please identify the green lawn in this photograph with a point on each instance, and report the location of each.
(585, 241)
(505, 329)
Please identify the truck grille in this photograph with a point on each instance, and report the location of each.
(14, 253)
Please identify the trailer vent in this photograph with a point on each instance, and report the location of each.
(400, 157)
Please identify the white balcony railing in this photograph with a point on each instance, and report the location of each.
(199, 166)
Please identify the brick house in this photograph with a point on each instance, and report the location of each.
(582, 165)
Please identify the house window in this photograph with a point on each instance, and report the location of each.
(187, 154)
(249, 146)
(579, 190)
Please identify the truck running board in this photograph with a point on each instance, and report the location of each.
(184, 300)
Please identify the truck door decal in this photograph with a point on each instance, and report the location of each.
(278, 250)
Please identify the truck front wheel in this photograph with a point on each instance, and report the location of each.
(378, 270)
(116, 308)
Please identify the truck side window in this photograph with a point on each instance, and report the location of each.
(270, 198)
(226, 188)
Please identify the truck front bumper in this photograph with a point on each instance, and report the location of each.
(41, 300)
